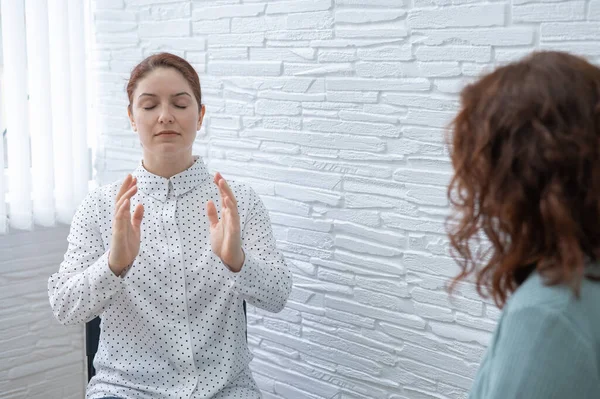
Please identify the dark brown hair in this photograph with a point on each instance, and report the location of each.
(165, 60)
(526, 152)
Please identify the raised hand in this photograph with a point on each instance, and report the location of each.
(225, 236)
(125, 242)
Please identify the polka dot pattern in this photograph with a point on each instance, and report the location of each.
(173, 326)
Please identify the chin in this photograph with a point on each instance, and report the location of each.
(169, 149)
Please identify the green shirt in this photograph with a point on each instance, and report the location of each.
(546, 345)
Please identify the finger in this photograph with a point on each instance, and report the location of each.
(217, 180)
(123, 211)
(136, 218)
(211, 212)
(232, 207)
(227, 190)
(124, 187)
(130, 193)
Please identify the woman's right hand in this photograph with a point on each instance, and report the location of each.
(125, 242)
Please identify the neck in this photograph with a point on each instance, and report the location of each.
(167, 167)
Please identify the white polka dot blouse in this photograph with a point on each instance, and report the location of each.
(173, 325)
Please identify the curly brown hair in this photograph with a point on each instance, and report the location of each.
(525, 148)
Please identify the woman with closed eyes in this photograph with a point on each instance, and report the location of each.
(168, 256)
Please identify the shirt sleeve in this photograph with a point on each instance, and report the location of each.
(84, 284)
(265, 279)
(538, 353)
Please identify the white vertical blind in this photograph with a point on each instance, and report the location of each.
(3, 219)
(60, 73)
(78, 103)
(15, 94)
(40, 116)
(44, 96)
(91, 88)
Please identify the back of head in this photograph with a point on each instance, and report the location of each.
(526, 152)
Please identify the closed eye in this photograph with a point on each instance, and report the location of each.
(149, 108)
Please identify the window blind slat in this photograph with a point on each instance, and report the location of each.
(15, 85)
(60, 72)
(79, 103)
(40, 117)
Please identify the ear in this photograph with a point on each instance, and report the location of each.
(201, 117)
(130, 115)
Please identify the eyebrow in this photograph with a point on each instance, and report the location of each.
(183, 93)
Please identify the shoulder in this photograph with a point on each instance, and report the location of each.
(535, 293)
(551, 306)
(100, 199)
(244, 193)
(103, 194)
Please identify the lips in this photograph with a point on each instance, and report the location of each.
(167, 133)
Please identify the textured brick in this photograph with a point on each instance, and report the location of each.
(298, 6)
(258, 24)
(165, 29)
(377, 235)
(348, 346)
(453, 53)
(441, 298)
(222, 68)
(276, 107)
(307, 195)
(237, 40)
(409, 84)
(373, 3)
(584, 49)
(460, 333)
(358, 245)
(311, 238)
(458, 16)
(546, 12)
(505, 36)
(386, 53)
(341, 43)
(339, 55)
(367, 16)
(211, 27)
(310, 20)
(422, 101)
(429, 264)
(358, 128)
(352, 96)
(112, 26)
(218, 12)
(283, 54)
(425, 117)
(396, 29)
(385, 315)
(568, 31)
(594, 10)
(335, 141)
(443, 361)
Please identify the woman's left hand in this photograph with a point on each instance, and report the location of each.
(225, 235)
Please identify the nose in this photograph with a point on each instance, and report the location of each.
(165, 116)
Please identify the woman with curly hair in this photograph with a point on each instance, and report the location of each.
(526, 223)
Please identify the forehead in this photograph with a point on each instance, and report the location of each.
(163, 81)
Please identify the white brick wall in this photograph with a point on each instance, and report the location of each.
(334, 110)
